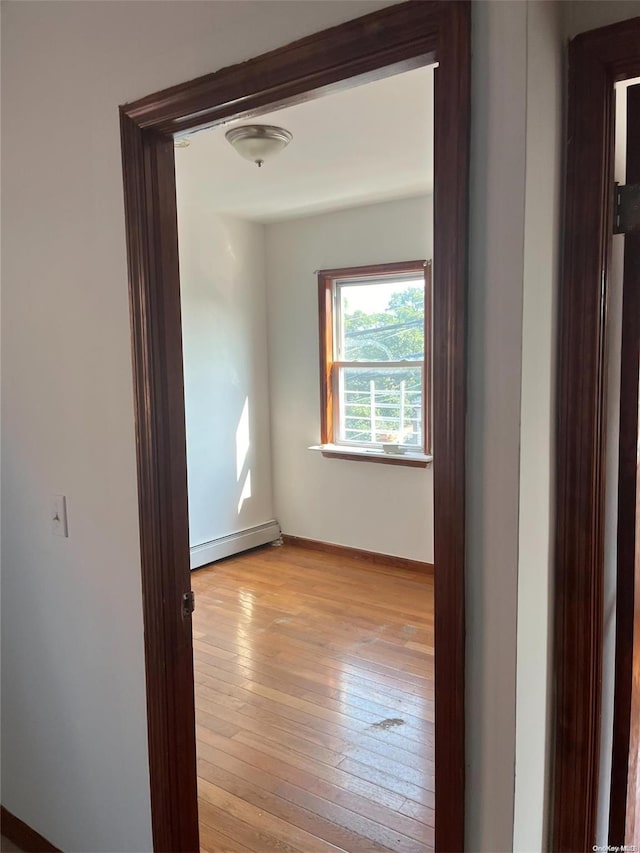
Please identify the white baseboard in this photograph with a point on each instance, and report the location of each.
(226, 546)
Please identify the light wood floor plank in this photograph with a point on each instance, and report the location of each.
(314, 705)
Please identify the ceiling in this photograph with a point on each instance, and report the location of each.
(373, 142)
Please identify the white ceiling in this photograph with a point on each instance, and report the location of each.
(370, 143)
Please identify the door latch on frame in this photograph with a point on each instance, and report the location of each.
(188, 604)
(626, 213)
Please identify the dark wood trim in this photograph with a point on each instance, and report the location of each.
(328, 403)
(625, 739)
(371, 557)
(362, 50)
(365, 270)
(451, 150)
(22, 835)
(596, 60)
(149, 181)
(393, 39)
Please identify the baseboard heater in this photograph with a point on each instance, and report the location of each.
(234, 543)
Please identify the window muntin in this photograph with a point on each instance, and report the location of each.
(375, 332)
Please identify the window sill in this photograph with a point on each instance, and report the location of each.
(409, 459)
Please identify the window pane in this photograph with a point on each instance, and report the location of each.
(382, 321)
(380, 405)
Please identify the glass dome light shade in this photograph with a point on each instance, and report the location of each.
(258, 142)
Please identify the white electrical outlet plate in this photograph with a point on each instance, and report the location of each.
(59, 525)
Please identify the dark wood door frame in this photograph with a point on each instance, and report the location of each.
(596, 60)
(392, 39)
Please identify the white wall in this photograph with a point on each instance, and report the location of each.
(537, 415)
(383, 508)
(74, 753)
(74, 761)
(224, 332)
(498, 139)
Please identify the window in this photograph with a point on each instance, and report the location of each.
(375, 341)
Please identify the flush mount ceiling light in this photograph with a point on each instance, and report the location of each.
(258, 142)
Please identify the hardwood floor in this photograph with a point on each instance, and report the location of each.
(314, 703)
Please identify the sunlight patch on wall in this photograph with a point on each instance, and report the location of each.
(243, 441)
(245, 494)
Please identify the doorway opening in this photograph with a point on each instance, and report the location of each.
(313, 660)
(399, 38)
(596, 556)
